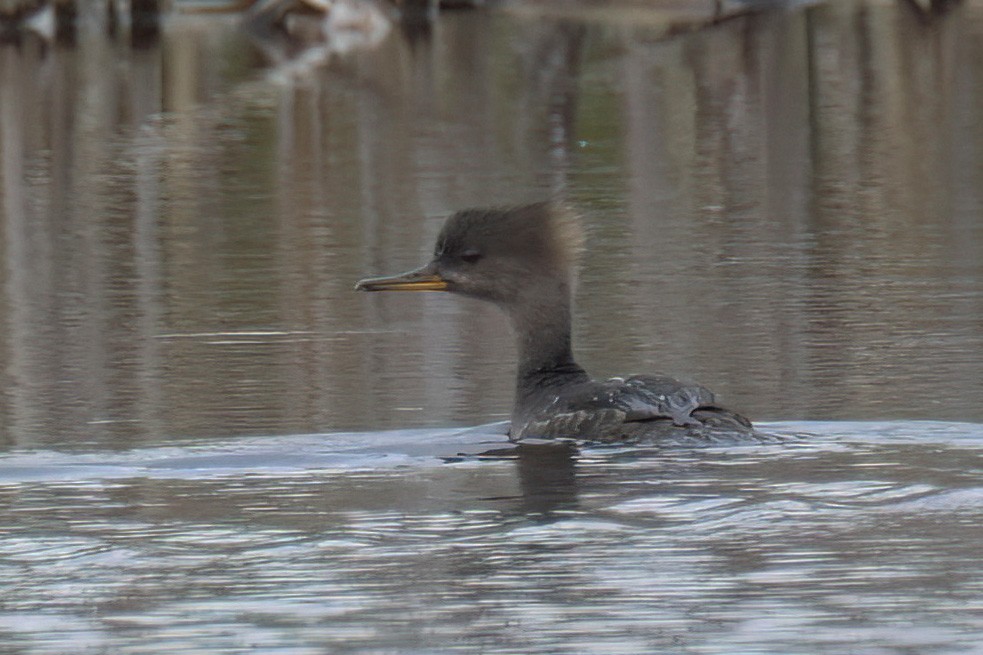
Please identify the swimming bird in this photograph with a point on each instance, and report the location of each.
(523, 259)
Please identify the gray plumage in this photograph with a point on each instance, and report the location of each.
(523, 259)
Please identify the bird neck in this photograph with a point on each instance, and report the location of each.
(542, 327)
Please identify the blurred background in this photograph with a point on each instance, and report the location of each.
(210, 443)
(782, 202)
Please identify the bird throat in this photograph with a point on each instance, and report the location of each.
(544, 343)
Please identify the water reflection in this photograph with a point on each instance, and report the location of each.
(784, 206)
(547, 478)
(811, 547)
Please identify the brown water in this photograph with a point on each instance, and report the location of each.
(210, 443)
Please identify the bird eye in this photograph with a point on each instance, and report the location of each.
(470, 256)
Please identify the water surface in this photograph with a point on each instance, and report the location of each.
(210, 443)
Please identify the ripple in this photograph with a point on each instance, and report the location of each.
(646, 547)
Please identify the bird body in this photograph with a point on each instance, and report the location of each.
(522, 259)
(619, 409)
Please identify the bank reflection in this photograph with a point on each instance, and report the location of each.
(784, 205)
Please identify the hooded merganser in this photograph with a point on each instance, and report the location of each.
(522, 259)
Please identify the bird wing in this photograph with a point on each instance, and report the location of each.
(601, 409)
(660, 396)
(576, 424)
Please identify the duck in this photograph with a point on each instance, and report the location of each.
(37, 17)
(523, 260)
(298, 36)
